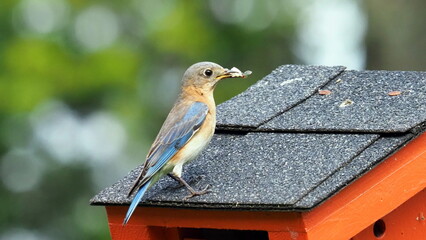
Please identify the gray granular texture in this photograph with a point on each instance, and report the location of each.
(372, 109)
(354, 169)
(235, 167)
(282, 89)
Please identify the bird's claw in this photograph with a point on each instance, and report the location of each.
(198, 193)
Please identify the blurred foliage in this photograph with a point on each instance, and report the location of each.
(85, 86)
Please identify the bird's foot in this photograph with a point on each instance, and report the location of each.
(197, 193)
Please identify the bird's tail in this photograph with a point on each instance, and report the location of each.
(136, 201)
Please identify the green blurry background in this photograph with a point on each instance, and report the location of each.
(85, 85)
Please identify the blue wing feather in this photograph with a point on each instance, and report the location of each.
(167, 154)
(176, 136)
(136, 201)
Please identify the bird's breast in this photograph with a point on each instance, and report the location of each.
(198, 142)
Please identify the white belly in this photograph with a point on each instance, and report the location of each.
(193, 148)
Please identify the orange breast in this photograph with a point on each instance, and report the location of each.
(197, 143)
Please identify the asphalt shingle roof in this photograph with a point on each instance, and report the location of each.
(282, 146)
(279, 91)
(372, 109)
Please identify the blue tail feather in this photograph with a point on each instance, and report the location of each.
(136, 201)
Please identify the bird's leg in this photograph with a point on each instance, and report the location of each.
(176, 179)
(193, 192)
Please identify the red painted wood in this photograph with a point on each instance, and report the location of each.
(216, 219)
(118, 232)
(172, 233)
(352, 210)
(408, 221)
(288, 235)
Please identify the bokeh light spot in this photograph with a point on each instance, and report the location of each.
(56, 128)
(43, 16)
(331, 32)
(20, 170)
(96, 28)
(102, 137)
(231, 11)
(22, 234)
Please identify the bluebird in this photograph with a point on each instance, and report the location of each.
(187, 130)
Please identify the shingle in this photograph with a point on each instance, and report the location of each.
(372, 109)
(277, 92)
(257, 170)
(354, 169)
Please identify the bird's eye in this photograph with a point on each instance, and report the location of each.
(208, 72)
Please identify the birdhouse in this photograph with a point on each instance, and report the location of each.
(308, 152)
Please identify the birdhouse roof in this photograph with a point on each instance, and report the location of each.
(294, 139)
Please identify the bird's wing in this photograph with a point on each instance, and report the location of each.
(174, 134)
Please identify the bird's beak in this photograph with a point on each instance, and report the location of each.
(233, 73)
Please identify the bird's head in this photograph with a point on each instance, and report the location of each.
(205, 75)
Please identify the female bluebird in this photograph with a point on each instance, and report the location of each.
(187, 130)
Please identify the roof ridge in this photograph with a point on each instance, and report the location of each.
(246, 130)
